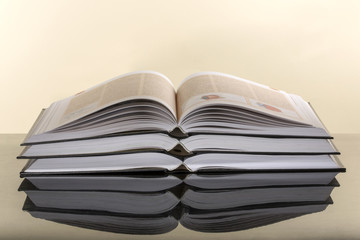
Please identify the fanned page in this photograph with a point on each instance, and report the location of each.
(138, 85)
(137, 101)
(210, 102)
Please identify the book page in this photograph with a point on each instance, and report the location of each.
(210, 88)
(132, 86)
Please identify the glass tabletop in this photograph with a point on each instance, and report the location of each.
(178, 206)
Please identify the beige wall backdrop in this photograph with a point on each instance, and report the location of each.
(52, 49)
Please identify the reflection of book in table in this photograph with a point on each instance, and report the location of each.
(103, 221)
(230, 220)
(227, 220)
(113, 206)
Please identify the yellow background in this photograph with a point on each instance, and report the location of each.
(52, 49)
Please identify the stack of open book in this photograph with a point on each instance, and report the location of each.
(213, 122)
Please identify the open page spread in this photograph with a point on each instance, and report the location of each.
(211, 88)
(206, 102)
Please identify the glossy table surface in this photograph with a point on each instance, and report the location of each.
(340, 220)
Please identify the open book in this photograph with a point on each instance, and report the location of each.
(163, 162)
(204, 103)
